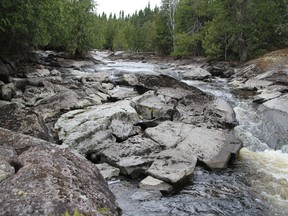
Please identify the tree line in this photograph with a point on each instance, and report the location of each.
(69, 25)
(218, 29)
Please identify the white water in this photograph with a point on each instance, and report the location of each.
(267, 168)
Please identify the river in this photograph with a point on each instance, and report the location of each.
(255, 184)
(263, 160)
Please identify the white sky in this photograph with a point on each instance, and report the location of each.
(129, 6)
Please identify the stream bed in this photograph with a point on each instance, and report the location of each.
(255, 184)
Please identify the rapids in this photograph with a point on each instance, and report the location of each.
(264, 158)
(256, 184)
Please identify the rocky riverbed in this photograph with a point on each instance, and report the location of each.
(134, 118)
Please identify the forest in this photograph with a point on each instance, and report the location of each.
(218, 29)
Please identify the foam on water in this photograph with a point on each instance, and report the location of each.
(269, 176)
(128, 67)
(268, 168)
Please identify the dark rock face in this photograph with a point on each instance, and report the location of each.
(4, 71)
(49, 180)
(24, 121)
(220, 69)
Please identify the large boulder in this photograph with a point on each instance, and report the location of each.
(7, 154)
(153, 106)
(220, 68)
(173, 166)
(63, 99)
(213, 147)
(132, 157)
(97, 123)
(48, 180)
(8, 91)
(25, 121)
(280, 104)
(276, 113)
(35, 94)
(5, 71)
(196, 73)
(174, 100)
(121, 93)
(205, 111)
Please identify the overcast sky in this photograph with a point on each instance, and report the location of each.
(129, 6)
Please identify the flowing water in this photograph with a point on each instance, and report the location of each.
(264, 158)
(256, 184)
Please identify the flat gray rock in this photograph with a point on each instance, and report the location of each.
(153, 106)
(150, 183)
(280, 104)
(214, 147)
(254, 83)
(266, 96)
(169, 134)
(108, 171)
(173, 166)
(196, 73)
(132, 156)
(76, 126)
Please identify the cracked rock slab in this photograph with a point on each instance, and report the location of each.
(117, 119)
(214, 147)
(173, 166)
(132, 157)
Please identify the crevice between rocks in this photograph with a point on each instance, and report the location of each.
(16, 164)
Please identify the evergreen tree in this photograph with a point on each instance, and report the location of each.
(219, 29)
(60, 24)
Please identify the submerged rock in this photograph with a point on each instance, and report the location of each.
(144, 195)
(49, 181)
